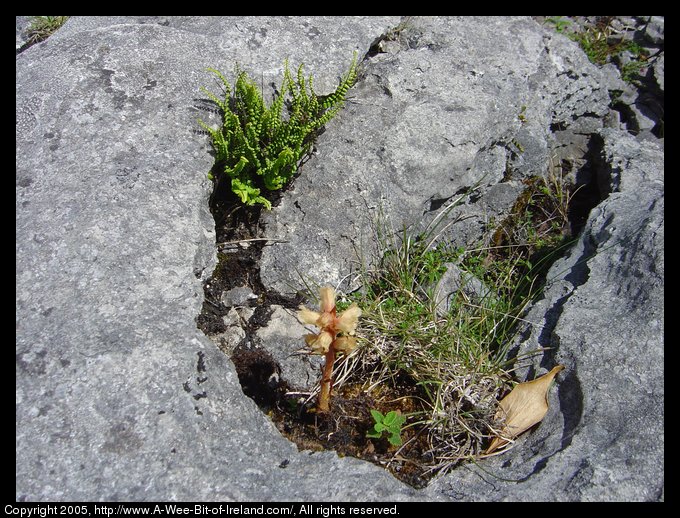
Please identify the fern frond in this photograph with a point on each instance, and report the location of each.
(256, 146)
(345, 84)
(301, 85)
(236, 170)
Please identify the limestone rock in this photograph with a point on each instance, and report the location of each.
(118, 395)
(654, 30)
(602, 317)
(283, 337)
(22, 24)
(658, 72)
(238, 297)
(456, 281)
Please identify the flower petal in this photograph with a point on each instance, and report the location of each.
(307, 316)
(319, 343)
(347, 320)
(327, 299)
(345, 344)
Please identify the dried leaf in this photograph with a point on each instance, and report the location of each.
(525, 406)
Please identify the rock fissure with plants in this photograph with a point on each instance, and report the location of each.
(632, 44)
(415, 361)
(511, 113)
(39, 29)
(438, 362)
(412, 265)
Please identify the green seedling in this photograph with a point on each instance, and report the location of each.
(257, 148)
(390, 423)
(522, 114)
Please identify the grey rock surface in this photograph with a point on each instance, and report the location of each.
(658, 72)
(456, 281)
(234, 333)
(444, 115)
(654, 31)
(22, 24)
(602, 317)
(239, 297)
(120, 397)
(283, 336)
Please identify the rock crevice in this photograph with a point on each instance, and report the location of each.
(116, 387)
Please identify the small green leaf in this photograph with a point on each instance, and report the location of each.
(395, 439)
(379, 427)
(377, 416)
(390, 418)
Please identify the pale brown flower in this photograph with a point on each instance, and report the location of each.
(327, 299)
(345, 344)
(330, 324)
(319, 343)
(308, 316)
(347, 320)
(326, 341)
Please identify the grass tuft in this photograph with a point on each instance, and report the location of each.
(450, 346)
(42, 27)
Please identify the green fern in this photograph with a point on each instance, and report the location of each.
(256, 147)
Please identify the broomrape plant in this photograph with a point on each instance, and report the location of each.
(328, 341)
(257, 147)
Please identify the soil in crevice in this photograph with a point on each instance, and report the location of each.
(344, 427)
(240, 240)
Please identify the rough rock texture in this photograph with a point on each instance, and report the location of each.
(654, 30)
(283, 339)
(658, 72)
(454, 281)
(120, 397)
(22, 24)
(603, 438)
(238, 297)
(640, 98)
(458, 103)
